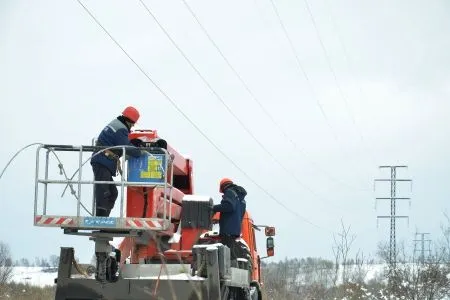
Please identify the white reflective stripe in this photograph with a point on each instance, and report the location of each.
(156, 224)
(55, 220)
(144, 224)
(66, 221)
(44, 220)
(112, 128)
(116, 125)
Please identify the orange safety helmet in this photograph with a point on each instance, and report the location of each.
(223, 182)
(131, 113)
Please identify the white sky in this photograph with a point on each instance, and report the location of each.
(62, 79)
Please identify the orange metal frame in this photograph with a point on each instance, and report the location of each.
(149, 203)
(248, 235)
(183, 249)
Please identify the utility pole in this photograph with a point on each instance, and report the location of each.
(393, 216)
(422, 250)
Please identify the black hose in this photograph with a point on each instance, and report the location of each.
(144, 212)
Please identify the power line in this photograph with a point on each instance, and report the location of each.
(194, 124)
(330, 66)
(344, 48)
(299, 64)
(294, 51)
(346, 55)
(347, 59)
(253, 96)
(232, 113)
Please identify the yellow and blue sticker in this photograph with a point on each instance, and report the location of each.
(147, 168)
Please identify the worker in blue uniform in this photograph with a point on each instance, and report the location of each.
(106, 164)
(232, 209)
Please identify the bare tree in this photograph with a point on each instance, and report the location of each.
(423, 280)
(44, 263)
(337, 258)
(275, 284)
(402, 256)
(383, 251)
(417, 280)
(54, 261)
(24, 262)
(6, 268)
(343, 242)
(360, 269)
(37, 262)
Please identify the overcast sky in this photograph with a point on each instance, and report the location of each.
(375, 93)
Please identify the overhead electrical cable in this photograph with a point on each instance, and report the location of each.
(333, 72)
(294, 51)
(261, 145)
(166, 96)
(347, 59)
(266, 112)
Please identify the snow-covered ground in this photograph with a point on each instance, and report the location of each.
(35, 276)
(38, 276)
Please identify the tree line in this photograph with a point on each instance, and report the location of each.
(7, 263)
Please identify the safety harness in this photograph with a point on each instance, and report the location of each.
(112, 156)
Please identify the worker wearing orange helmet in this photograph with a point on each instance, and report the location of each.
(105, 164)
(232, 209)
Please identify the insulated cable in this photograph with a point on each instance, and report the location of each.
(60, 166)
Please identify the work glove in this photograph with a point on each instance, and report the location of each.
(137, 142)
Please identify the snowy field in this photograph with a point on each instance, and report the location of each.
(38, 276)
(35, 276)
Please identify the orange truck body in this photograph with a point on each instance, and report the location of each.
(183, 185)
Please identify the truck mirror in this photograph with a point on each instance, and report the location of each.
(270, 245)
(270, 231)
